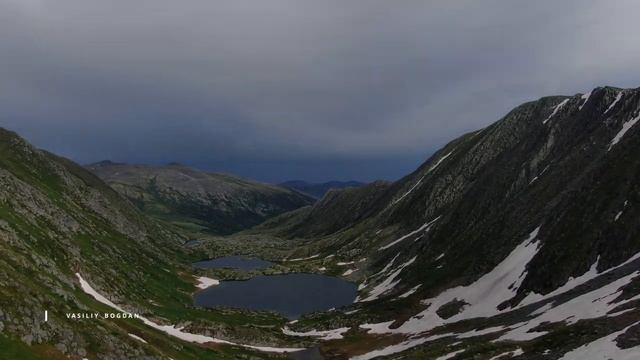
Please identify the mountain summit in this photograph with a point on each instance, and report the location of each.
(514, 239)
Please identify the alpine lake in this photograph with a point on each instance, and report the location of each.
(291, 295)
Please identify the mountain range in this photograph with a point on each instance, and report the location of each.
(196, 200)
(520, 240)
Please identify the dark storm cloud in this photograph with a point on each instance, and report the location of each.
(216, 83)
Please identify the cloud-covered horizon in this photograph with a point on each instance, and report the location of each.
(371, 86)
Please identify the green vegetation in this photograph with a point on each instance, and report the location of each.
(57, 219)
(199, 201)
(11, 349)
(494, 188)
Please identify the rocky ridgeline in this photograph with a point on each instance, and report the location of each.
(564, 168)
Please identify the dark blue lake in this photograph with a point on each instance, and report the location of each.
(234, 262)
(291, 295)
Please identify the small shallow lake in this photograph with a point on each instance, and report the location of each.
(234, 262)
(291, 295)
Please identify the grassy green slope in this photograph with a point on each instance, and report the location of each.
(199, 201)
(57, 219)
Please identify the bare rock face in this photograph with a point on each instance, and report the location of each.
(218, 203)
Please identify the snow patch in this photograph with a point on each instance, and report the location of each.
(393, 349)
(335, 334)
(516, 352)
(596, 303)
(348, 272)
(483, 296)
(621, 211)
(410, 292)
(571, 283)
(346, 263)
(435, 166)
(378, 328)
(555, 110)
(615, 101)
(205, 282)
(585, 97)
(542, 309)
(604, 348)
(138, 338)
(625, 127)
(408, 191)
(476, 332)
(592, 273)
(172, 330)
(425, 227)
(451, 355)
(388, 284)
(386, 267)
(306, 258)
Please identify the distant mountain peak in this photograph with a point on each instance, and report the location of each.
(318, 190)
(105, 163)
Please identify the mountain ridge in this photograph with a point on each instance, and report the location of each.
(551, 186)
(318, 190)
(519, 239)
(197, 200)
(61, 229)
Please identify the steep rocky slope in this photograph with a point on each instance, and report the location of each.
(63, 232)
(338, 209)
(217, 203)
(518, 239)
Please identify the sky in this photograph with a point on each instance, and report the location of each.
(294, 89)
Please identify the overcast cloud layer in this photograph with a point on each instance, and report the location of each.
(284, 89)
